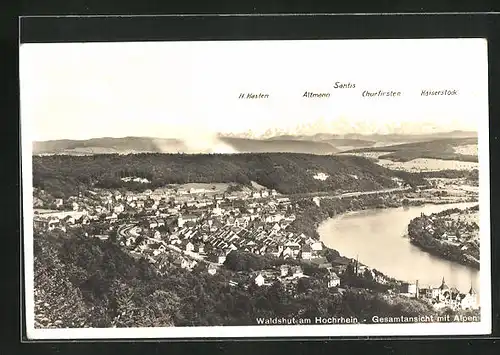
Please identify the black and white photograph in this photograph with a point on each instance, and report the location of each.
(266, 188)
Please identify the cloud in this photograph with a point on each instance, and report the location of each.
(194, 141)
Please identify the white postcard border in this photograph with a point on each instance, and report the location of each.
(420, 329)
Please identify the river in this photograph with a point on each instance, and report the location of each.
(378, 238)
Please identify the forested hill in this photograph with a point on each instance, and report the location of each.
(286, 172)
(434, 149)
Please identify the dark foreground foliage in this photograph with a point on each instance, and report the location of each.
(82, 282)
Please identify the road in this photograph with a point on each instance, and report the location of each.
(374, 192)
(322, 195)
(126, 230)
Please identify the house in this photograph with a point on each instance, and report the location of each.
(183, 219)
(189, 247)
(118, 209)
(309, 240)
(259, 280)
(112, 218)
(410, 289)
(274, 218)
(233, 247)
(287, 253)
(297, 272)
(70, 220)
(361, 269)
(294, 247)
(200, 248)
(283, 200)
(212, 269)
(184, 263)
(256, 194)
(179, 261)
(221, 258)
(469, 300)
(333, 280)
(273, 250)
(284, 270)
(58, 202)
(276, 227)
(306, 252)
(264, 193)
(217, 211)
(317, 247)
(316, 200)
(242, 222)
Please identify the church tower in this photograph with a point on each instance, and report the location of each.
(473, 295)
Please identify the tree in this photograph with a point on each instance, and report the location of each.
(367, 274)
(303, 285)
(331, 254)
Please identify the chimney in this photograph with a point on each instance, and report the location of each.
(417, 292)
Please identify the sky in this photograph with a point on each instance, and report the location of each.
(191, 89)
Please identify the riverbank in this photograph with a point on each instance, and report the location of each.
(310, 215)
(377, 238)
(375, 232)
(451, 255)
(448, 238)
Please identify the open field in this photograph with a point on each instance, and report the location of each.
(369, 155)
(442, 149)
(419, 164)
(472, 217)
(422, 164)
(467, 149)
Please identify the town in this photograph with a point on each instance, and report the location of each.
(442, 296)
(452, 233)
(202, 226)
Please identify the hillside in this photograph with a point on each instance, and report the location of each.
(129, 145)
(245, 145)
(107, 145)
(85, 282)
(395, 137)
(287, 173)
(320, 143)
(433, 149)
(353, 142)
(343, 139)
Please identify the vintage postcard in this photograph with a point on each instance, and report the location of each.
(229, 189)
